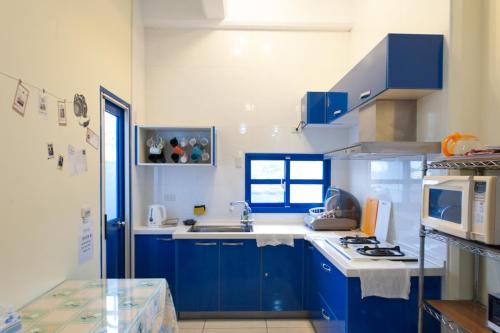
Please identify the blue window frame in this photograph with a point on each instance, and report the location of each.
(285, 183)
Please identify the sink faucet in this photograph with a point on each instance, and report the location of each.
(246, 215)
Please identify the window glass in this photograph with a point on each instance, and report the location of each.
(267, 169)
(110, 154)
(300, 193)
(267, 193)
(306, 169)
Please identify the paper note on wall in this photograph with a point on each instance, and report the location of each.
(77, 161)
(86, 238)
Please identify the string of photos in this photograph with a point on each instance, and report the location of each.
(77, 157)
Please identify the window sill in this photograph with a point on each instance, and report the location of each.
(280, 209)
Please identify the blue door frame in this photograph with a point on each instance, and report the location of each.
(114, 231)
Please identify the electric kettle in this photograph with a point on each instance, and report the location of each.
(157, 215)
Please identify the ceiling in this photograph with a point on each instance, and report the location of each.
(215, 14)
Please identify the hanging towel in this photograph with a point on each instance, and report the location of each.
(274, 240)
(392, 281)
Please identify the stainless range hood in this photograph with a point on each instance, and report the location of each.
(387, 129)
(379, 150)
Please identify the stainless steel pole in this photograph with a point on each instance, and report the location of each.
(421, 263)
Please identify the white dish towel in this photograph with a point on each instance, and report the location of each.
(393, 281)
(274, 240)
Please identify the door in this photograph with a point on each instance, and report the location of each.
(282, 278)
(155, 258)
(114, 186)
(240, 275)
(197, 270)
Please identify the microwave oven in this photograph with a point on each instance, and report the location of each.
(463, 206)
(494, 312)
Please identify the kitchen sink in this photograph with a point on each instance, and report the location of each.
(220, 228)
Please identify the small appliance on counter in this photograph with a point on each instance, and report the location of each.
(494, 312)
(463, 206)
(341, 212)
(157, 216)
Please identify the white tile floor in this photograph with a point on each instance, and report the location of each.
(246, 326)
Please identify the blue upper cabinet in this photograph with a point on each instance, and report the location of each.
(401, 66)
(240, 275)
(282, 277)
(320, 108)
(197, 275)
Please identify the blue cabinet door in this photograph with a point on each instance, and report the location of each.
(367, 79)
(155, 258)
(336, 105)
(398, 62)
(313, 106)
(282, 277)
(240, 275)
(414, 61)
(197, 267)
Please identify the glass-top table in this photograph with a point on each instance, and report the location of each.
(102, 306)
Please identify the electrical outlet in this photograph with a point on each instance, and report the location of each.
(169, 197)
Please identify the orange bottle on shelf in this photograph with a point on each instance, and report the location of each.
(458, 144)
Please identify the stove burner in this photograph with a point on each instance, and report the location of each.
(359, 240)
(381, 251)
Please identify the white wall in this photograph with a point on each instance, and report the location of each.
(235, 80)
(141, 179)
(67, 47)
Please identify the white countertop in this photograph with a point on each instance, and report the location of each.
(349, 268)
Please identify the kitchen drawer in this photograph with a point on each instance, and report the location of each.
(326, 321)
(332, 286)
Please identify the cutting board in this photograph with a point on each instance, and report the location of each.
(383, 218)
(369, 216)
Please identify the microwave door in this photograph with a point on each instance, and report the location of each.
(445, 205)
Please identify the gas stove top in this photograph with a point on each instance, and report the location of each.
(373, 251)
(359, 240)
(369, 250)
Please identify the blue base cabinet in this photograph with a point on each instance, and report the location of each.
(240, 275)
(399, 62)
(282, 277)
(155, 258)
(339, 307)
(197, 267)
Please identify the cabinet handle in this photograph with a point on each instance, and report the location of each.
(232, 244)
(337, 112)
(365, 94)
(206, 244)
(165, 239)
(327, 103)
(326, 267)
(324, 314)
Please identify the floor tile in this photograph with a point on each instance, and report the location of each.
(294, 323)
(290, 330)
(191, 330)
(235, 324)
(191, 323)
(235, 330)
